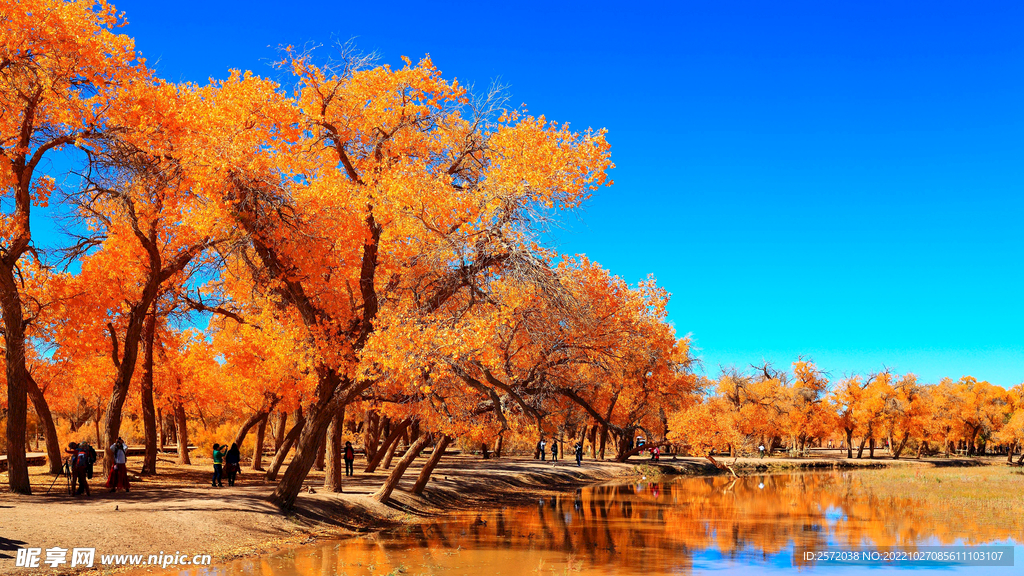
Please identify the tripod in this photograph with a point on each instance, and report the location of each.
(66, 473)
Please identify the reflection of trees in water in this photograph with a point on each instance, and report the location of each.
(664, 522)
(661, 525)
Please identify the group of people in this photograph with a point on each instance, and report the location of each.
(542, 447)
(82, 459)
(226, 462)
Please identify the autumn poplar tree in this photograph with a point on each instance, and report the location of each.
(62, 69)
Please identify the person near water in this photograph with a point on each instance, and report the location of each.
(760, 449)
(118, 476)
(218, 465)
(232, 461)
(350, 457)
(579, 453)
(540, 448)
(656, 454)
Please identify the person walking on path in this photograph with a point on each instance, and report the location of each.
(118, 476)
(350, 457)
(540, 448)
(760, 449)
(218, 465)
(579, 453)
(232, 461)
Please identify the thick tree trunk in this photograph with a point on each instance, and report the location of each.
(871, 448)
(17, 378)
(499, 444)
(849, 443)
(383, 494)
(261, 435)
(1009, 453)
(321, 453)
(334, 464)
(604, 440)
(435, 457)
(593, 442)
(290, 438)
(311, 433)
(381, 452)
(279, 430)
(181, 432)
(54, 456)
(860, 449)
(146, 388)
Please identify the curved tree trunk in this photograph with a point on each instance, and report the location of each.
(371, 434)
(435, 457)
(289, 439)
(54, 457)
(383, 494)
(257, 453)
(391, 452)
(181, 431)
(380, 453)
(254, 420)
(17, 379)
(146, 388)
(335, 453)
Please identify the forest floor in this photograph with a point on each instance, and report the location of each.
(179, 511)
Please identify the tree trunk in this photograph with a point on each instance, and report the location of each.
(335, 456)
(1009, 453)
(321, 453)
(289, 439)
(849, 443)
(371, 434)
(604, 440)
(899, 449)
(146, 386)
(279, 431)
(380, 453)
(96, 421)
(311, 433)
(255, 419)
(435, 457)
(181, 431)
(499, 444)
(871, 448)
(384, 493)
(17, 378)
(261, 435)
(860, 449)
(54, 456)
(593, 442)
(257, 464)
(162, 428)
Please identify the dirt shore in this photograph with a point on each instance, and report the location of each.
(178, 511)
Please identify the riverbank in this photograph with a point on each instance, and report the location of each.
(177, 511)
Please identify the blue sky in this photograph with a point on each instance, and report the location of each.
(838, 180)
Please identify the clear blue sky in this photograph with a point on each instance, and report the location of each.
(843, 182)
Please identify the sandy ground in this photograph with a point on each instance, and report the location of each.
(178, 511)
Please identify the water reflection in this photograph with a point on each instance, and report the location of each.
(677, 526)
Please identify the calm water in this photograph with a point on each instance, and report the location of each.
(681, 526)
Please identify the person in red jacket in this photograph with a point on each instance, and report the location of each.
(350, 456)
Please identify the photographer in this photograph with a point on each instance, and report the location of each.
(79, 468)
(118, 477)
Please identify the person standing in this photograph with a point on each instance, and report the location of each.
(232, 461)
(118, 477)
(579, 453)
(760, 449)
(218, 465)
(540, 447)
(554, 450)
(350, 457)
(79, 466)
